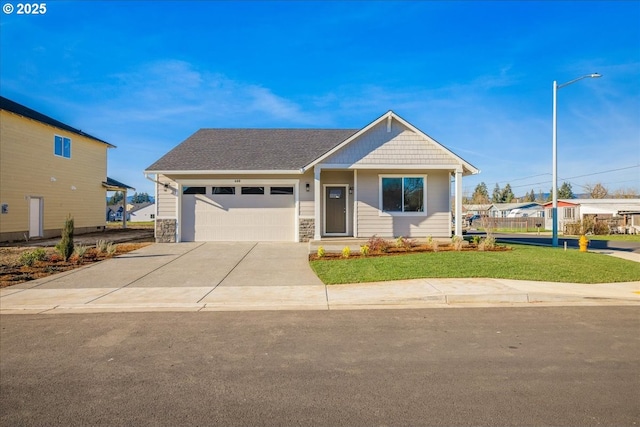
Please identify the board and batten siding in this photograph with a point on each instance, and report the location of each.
(29, 168)
(436, 222)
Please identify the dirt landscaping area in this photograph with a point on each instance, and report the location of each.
(24, 261)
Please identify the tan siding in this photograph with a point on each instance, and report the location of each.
(399, 147)
(435, 223)
(28, 167)
(166, 200)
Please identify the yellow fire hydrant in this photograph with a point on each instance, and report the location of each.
(583, 243)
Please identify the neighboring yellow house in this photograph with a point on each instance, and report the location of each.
(49, 170)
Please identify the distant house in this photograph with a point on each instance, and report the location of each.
(49, 170)
(502, 210)
(142, 213)
(481, 209)
(388, 179)
(574, 210)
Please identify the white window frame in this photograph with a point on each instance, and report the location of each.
(382, 212)
(63, 138)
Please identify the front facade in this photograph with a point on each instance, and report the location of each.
(48, 170)
(388, 179)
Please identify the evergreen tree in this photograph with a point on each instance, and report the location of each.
(116, 198)
(507, 194)
(496, 197)
(480, 194)
(65, 246)
(565, 191)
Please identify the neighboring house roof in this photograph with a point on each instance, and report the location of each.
(250, 149)
(511, 206)
(139, 206)
(12, 106)
(481, 207)
(114, 185)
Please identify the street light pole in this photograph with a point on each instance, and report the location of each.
(554, 188)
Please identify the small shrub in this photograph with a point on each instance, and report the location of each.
(321, 252)
(476, 240)
(490, 243)
(364, 250)
(28, 258)
(101, 246)
(457, 243)
(435, 245)
(111, 248)
(65, 246)
(346, 252)
(378, 244)
(79, 251)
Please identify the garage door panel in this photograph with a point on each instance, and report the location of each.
(238, 217)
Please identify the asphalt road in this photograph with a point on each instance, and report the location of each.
(474, 366)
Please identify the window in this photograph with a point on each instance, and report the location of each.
(252, 190)
(194, 190)
(402, 194)
(281, 190)
(152, 216)
(62, 146)
(224, 190)
(570, 213)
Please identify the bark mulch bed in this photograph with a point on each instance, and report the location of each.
(13, 272)
(397, 251)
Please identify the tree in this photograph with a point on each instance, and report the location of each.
(140, 198)
(65, 246)
(480, 194)
(496, 197)
(116, 198)
(597, 191)
(565, 191)
(628, 193)
(506, 196)
(529, 197)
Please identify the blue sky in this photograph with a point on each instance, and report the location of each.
(476, 76)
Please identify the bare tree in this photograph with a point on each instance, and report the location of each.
(596, 191)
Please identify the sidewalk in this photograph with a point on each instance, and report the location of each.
(417, 293)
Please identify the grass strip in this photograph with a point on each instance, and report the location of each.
(523, 263)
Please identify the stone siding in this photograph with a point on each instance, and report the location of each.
(165, 230)
(307, 229)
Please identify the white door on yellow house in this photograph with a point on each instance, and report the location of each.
(35, 217)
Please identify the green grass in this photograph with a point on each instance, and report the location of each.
(612, 237)
(523, 262)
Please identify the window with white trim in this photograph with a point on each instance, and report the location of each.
(402, 194)
(570, 213)
(62, 146)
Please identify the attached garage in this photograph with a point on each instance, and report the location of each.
(249, 212)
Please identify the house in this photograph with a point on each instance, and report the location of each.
(143, 212)
(502, 210)
(575, 210)
(49, 170)
(387, 179)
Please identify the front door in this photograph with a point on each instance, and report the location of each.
(35, 217)
(335, 210)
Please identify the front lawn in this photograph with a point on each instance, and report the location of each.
(523, 262)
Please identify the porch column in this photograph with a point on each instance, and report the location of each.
(458, 202)
(317, 194)
(124, 212)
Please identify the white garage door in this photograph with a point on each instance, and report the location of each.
(256, 213)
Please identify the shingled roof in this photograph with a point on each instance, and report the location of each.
(14, 107)
(250, 149)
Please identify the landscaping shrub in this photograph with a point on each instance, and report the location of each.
(321, 252)
(101, 246)
(65, 246)
(346, 252)
(79, 251)
(28, 258)
(364, 250)
(457, 243)
(111, 248)
(403, 242)
(378, 244)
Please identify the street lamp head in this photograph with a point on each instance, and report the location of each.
(595, 75)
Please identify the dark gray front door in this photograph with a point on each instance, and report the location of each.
(336, 210)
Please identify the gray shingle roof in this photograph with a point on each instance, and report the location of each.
(250, 149)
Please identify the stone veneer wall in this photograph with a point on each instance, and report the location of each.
(165, 230)
(307, 229)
